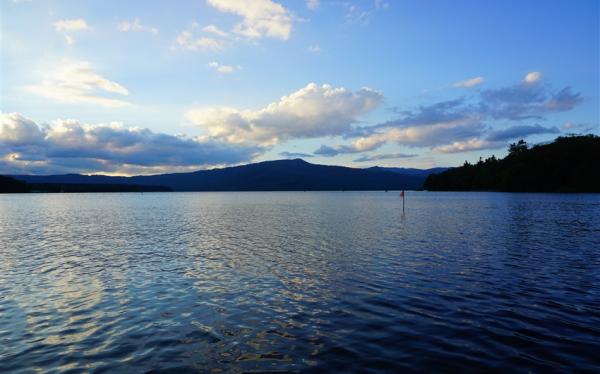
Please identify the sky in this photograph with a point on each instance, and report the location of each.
(153, 86)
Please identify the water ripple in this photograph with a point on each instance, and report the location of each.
(301, 282)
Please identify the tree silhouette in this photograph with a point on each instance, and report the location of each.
(518, 147)
(569, 164)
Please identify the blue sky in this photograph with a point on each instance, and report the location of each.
(142, 87)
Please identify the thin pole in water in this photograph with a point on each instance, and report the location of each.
(402, 196)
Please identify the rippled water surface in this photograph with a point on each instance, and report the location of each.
(299, 282)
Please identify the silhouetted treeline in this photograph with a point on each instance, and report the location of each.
(568, 164)
(11, 185)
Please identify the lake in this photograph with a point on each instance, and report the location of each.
(299, 281)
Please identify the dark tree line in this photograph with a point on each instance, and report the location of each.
(12, 185)
(568, 164)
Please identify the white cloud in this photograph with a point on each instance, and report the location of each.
(67, 145)
(71, 25)
(312, 111)
(459, 125)
(380, 4)
(189, 40)
(312, 4)
(532, 77)
(136, 25)
(76, 82)
(214, 30)
(433, 134)
(17, 130)
(468, 145)
(362, 14)
(422, 135)
(260, 17)
(224, 69)
(354, 14)
(469, 82)
(186, 41)
(315, 48)
(364, 144)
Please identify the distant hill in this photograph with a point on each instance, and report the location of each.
(568, 164)
(12, 185)
(281, 175)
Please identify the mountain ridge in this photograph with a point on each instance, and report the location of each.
(276, 175)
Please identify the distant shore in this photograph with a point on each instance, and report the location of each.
(568, 164)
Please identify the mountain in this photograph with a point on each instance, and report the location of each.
(568, 164)
(281, 175)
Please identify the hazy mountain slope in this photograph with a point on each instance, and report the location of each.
(285, 175)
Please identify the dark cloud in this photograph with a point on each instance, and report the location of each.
(444, 111)
(325, 150)
(462, 124)
(563, 100)
(520, 131)
(517, 102)
(526, 101)
(580, 128)
(69, 146)
(384, 156)
(358, 132)
(295, 154)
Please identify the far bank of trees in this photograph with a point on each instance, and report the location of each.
(568, 164)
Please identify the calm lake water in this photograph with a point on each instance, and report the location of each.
(338, 281)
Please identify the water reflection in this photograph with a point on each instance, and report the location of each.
(298, 281)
